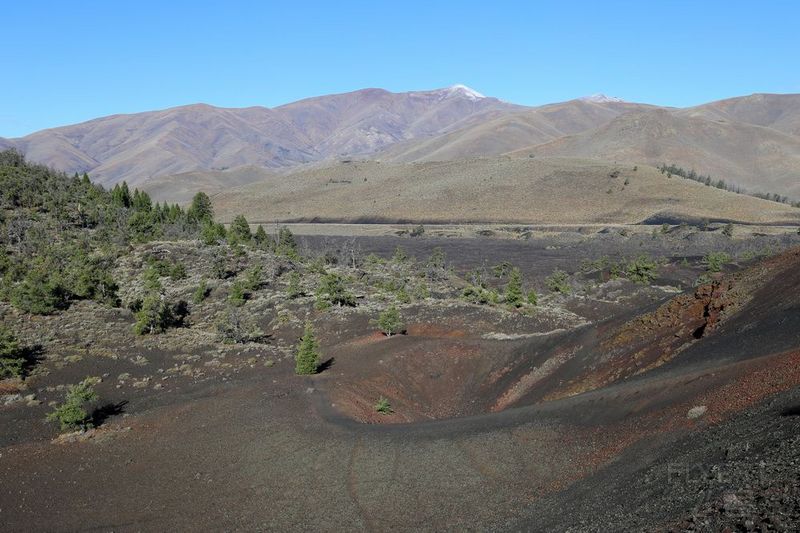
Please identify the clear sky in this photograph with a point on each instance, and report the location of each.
(65, 62)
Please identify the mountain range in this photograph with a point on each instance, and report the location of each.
(752, 141)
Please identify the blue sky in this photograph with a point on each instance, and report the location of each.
(66, 62)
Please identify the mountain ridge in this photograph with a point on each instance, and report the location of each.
(752, 140)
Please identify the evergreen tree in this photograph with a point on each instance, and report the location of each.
(307, 357)
(201, 209)
(239, 231)
(237, 295)
(154, 316)
(260, 238)
(72, 413)
(333, 291)
(200, 292)
(533, 297)
(294, 290)
(212, 233)
(11, 358)
(37, 294)
(390, 323)
(514, 294)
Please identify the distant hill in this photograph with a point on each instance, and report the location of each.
(512, 131)
(142, 146)
(501, 189)
(756, 157)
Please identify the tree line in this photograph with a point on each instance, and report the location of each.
(675, 170)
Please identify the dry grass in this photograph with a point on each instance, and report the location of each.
(550, 191)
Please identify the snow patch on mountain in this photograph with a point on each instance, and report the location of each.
(463, 90)
(600, 98)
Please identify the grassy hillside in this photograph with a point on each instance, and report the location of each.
(500, 189)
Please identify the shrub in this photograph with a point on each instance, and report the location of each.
(231, 328)
(383, 406)
(154, 316)
(333, 291)
(237, 295)
(478, 295)
(714, 261)
(294, 290)
(201, 292)
(239, 231)
(38, 294)
(418, 231)
(389, 322)
(533, 297)
(212, 233)
(399, 255)
(175, 270)
(514, 293)
(642, 270)
(12, 361)
(253, 278)
(307, 356)
(501, 270)
(558, 282)
(436, 267)
(72, 414)
(728, 230)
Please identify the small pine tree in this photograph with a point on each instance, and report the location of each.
(11, 359)
(333, 291)
(72, 414)
(294, 290)
(237, 295)
(287, 245)
(533, 298)
(514, 293)
(260, 238)
(38, 294)
(252, 278)
(212, 233)
(239, 231)
(558, 282)
(201, 209)
(389, 322)
(154, 316)
(200, 292)
(307, 357)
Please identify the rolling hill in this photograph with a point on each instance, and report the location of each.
(502, 189)
(755, 157)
